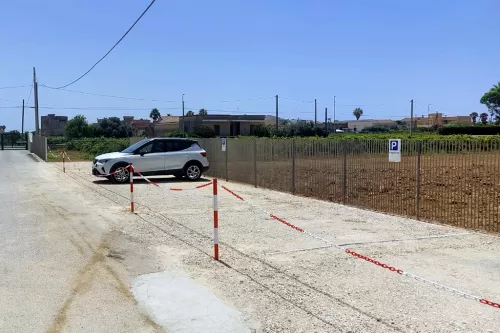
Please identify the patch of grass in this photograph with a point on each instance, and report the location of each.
(74, 156)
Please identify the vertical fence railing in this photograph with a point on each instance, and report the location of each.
(453, 182)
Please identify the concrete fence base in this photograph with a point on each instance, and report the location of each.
(37, 144)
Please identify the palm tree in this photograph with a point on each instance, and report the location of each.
(155, 114)
(358, 112)
(484, 117)
(474, 116)
(189, 113)
(202, 112)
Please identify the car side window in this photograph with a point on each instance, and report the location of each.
(173, 146)
(158, 146)
(147, 148)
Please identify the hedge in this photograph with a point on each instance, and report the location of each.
(470, 130)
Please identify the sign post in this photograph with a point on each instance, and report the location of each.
(224, 144)
(394, 150)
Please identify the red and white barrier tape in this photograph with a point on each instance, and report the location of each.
(149, 181)
(373, 261)
(190, 189)
(114, 172)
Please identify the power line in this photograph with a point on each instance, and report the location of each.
(13, 87)
(104, 95)
(31, 90)
(116, 44)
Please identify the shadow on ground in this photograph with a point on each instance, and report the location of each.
(171, 180)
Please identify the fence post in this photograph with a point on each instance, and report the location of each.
(294, 185)
(227, 148)
(417, 195)
(255, 162)
(1, 140)
(216, 221)
(344, 173)
(64, 160)
(45, 145)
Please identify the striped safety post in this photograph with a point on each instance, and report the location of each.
(64, 161)
(131, 176)
(216, 221)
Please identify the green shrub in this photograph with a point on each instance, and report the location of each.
(470, 130)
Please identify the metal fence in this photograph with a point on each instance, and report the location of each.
(453, 182)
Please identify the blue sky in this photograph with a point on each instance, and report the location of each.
(234, 56)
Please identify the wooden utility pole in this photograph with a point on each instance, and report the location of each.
(22, 121)
(334, 102)
(277, 114)
(183, 126)
(315, 113)
(411, 117)
(35, 92)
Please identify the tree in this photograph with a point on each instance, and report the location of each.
(2, 128)
(484, 117)
(492, 100)
(189, 113)
(202, 112)
(155, 114)
(204, 131)
(358, 112)
(474, 116)
(113, 127)
(77, 127)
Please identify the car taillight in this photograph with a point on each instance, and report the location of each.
(204, 154)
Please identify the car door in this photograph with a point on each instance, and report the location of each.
(150, 158)
(177, 154)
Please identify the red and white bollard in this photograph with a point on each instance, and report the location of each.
(131, 176)
(216, 221)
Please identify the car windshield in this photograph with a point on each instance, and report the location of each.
(134, 147)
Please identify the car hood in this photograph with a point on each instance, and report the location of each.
(111, 156)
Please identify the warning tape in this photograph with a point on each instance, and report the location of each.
(190, 189)
(149, 181)
(115, 172)
(373, 261)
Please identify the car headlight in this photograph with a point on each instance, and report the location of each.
(102, 161)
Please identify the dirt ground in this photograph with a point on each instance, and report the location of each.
(283, 280)
(461, 190)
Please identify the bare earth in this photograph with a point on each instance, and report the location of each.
(71, 251)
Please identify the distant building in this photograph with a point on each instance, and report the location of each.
(228, 125)
(53, 125)
(359, 125)
(437, 119)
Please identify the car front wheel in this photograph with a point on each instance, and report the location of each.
(192, 172)
(120, 174)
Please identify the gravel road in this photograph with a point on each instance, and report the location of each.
(280, 279)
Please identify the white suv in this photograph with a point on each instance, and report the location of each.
(158, 156)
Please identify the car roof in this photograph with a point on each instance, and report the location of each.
(184, 139)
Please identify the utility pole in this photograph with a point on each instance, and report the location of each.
(183, 128)
(429, 117)
(411, 117)
(315, 113)
(277, 118)
(22, 122)
(35, 92)
(326, 120)
(334, 129)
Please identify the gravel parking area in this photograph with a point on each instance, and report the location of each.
(283, 280)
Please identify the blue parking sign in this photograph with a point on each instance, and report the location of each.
(394, 145)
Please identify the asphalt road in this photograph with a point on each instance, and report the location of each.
(58, 270)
